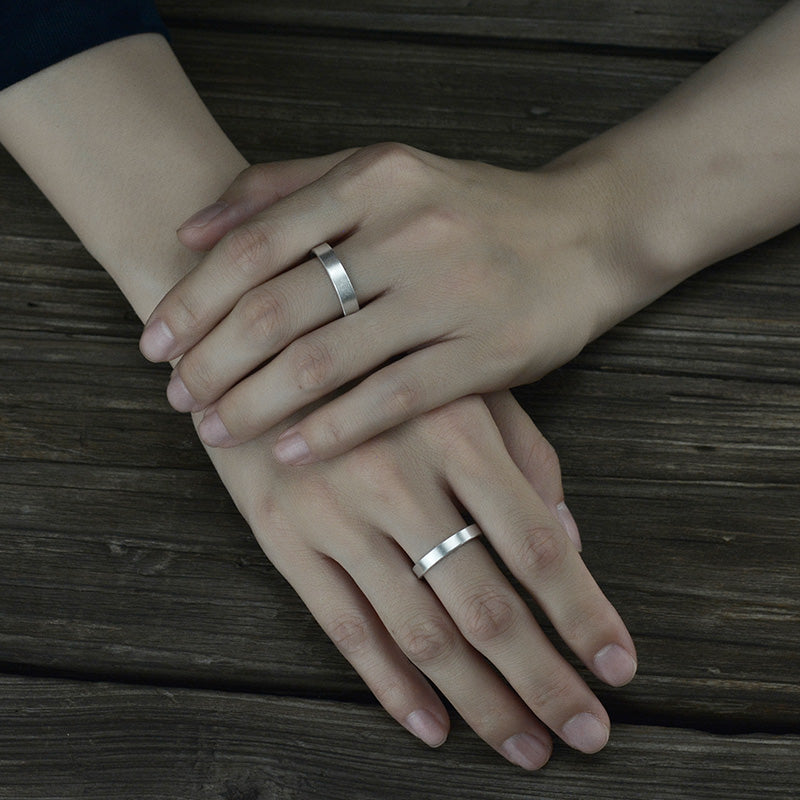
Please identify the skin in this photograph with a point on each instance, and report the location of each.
(119, 141)
(471, 278)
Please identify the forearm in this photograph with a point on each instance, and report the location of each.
(708, 171)
(123, 147)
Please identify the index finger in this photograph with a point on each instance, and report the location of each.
(255, 189)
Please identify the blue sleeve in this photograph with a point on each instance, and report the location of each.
(37, 33)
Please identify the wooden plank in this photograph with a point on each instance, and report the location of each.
(703, 472)
(677, 431)
(654, 24)
(61, 740)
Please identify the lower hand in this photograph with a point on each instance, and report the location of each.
(477, 277)
(346, 532)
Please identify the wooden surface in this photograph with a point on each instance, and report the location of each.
(131, 742)
(148, 650)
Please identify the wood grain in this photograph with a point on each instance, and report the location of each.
(61, 740)
(669, 473)
(677, 24)
(123, 559)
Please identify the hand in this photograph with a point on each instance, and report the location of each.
(346, 532)
(483, 277)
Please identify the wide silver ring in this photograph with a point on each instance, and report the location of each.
(445, 548)
(339, 277)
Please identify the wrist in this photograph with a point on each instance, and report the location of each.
(635, 251)
(121, 144)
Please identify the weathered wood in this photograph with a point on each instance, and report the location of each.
(122, 558)
(685, 417)
(61, 740)
(656, 23)
(701, 472)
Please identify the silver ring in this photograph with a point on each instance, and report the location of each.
(339, 278)
(445, 548)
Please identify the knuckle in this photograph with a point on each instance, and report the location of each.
(510, 347)
(251, 247)
(393, 158)
(554, 691)
(371, 463)
(540, 550)
(182, 314)
(258, 179)
(248, 182)
(262, 312)
(318, 491)
(460, 428)
(546, 457)
(384, 164)
(462, 415)
(541, 457)
(350, 633)
(476, 282)
(427, 640)
(312, 365)
(589, 622)
(392, 692)
(439, 225)
(403, 395)
(327, 432)
(487, 615)
(267, 511)
(262, 514)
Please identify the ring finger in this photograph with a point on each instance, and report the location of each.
(270, 316)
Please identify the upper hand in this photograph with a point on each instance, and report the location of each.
(479, 277)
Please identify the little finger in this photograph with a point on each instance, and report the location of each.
(534, 456)
(537, 551)
(424, 379)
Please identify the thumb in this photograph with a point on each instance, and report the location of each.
(534, 456)
(253, 190)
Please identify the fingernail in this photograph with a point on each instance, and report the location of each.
(585, 732)
(525, 751)
(179, 396)
(291, 448)
(157, 341)
(568, 523)
(615, 665)
(204, 216)
(427, 727)
(213, 432)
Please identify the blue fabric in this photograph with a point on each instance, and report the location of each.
(37, 33)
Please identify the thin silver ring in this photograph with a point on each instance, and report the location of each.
(445, 548)
(339, 277)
